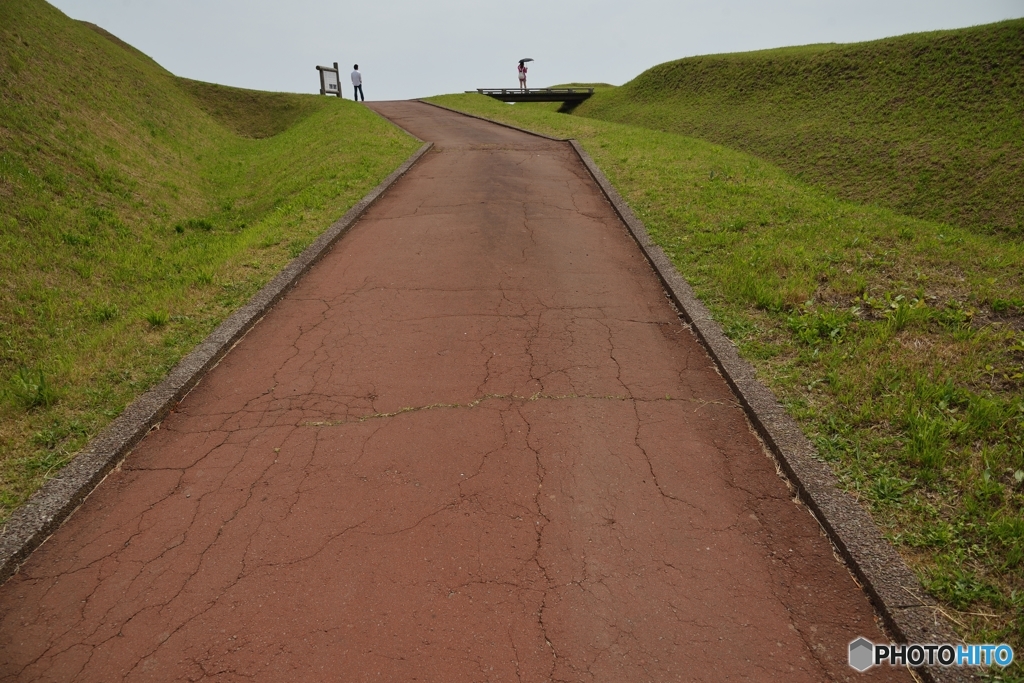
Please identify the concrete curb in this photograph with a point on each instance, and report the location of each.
(497, 123)
(57, 499)
(910, 614)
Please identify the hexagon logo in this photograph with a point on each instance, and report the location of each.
(862, 654)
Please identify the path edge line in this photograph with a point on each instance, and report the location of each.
(43, 513)
(908, 611)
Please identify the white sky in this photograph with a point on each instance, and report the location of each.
(416, 48)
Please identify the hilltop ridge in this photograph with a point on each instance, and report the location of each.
(929, 124)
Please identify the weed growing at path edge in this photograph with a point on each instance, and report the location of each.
(897, 343)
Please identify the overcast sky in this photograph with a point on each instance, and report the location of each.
(416, 48)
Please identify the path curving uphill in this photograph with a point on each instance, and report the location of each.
(474, 443)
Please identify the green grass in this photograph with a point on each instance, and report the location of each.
(896, 342)
(929, 124)
(595, 86)
(137, 210)
(250, 113)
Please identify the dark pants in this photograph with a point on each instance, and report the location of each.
(357, 92)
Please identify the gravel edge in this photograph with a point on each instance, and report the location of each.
(32, 523)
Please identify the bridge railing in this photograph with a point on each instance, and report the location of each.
(552, 91)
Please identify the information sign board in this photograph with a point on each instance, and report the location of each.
(330, 83)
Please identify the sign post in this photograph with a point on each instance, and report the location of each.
(330, 81)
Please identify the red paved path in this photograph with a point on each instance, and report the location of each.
(475, 443)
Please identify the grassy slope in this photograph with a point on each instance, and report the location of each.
(928, 124)
(136, 211)
(896, 342)
(250, 113)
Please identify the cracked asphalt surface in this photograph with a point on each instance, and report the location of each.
(474, 443)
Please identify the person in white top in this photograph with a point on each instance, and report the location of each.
(522, 76)
(357, 83)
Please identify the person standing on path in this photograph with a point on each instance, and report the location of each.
(357, 84)
(522, 76)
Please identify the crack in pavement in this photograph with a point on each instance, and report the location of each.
(515, 398)
(474, 442)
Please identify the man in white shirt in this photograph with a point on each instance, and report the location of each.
(357, 83)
